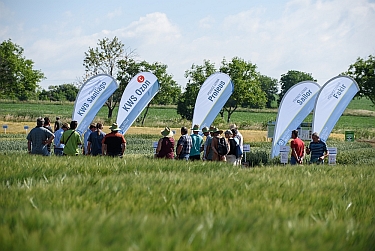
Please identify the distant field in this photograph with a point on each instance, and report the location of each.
(361, 104)
(360, 115)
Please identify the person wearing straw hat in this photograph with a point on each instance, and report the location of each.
(114, 143)
(183, 145)
(165, 148)
(197, 140)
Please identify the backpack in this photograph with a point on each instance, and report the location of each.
(238, 148)
(222, 147)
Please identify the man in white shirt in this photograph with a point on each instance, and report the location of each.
(57, 146)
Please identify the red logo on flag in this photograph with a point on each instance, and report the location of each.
(140, 79)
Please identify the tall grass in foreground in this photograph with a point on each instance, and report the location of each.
(89, 203)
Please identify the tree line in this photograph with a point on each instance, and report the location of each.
(18, 79)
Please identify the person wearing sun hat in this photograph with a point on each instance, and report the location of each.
(114, 143)
(215, 145)
(165, 148)
(197, 140)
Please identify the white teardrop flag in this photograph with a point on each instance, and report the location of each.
(212, 96)
(332, 100)
(91, 97)
(295, 106)
(138, 93)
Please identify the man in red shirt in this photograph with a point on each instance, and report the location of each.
(113, 144)
(298, 149)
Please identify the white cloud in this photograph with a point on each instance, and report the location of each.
(153, 28)
(115, 13)
(207, 22)
(319, 37)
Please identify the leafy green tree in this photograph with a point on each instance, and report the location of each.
(291, 78)
(60, 93)
(18, 79)
(106, 59)
(269, 86)
(169, 89)
(196, 77)
(247, 87)
(363, 72)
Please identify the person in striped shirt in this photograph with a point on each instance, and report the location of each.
(318, 149)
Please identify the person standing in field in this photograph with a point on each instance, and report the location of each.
(318, 149)
(86, 135)
(38, 139)
(57, 146)
(94, 142)
(165, 148)
(72, 140)
(215, 146)
(184, 145)
(58, 124)
(233, 142)
(114, 143)
(196, 140)
(206, 132)
(238, 136)
(298, 149)
(238, 151)
(47, 125)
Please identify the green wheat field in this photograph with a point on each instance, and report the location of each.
(140, 203)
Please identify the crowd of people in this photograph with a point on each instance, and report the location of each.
(212, 146)
(208, 144)
(67, 141)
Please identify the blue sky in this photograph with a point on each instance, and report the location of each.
(318, 37)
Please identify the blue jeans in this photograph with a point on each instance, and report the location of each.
(293, 160)
(184, 156)
(58, 151)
